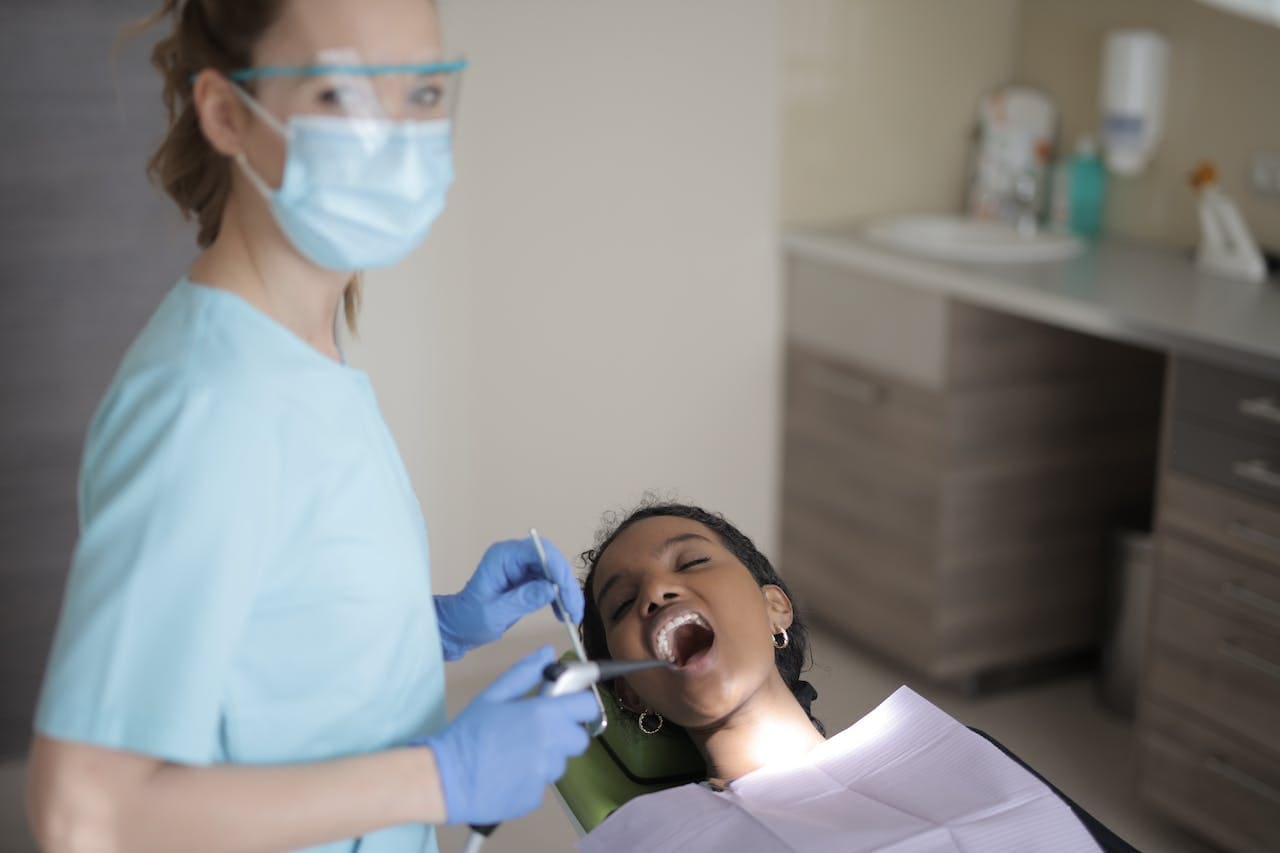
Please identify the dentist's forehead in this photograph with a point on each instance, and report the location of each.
(380, 31)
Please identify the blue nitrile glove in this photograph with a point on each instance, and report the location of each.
(496, 756)
(507, 585)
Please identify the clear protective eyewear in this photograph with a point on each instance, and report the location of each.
(339, 83)
(368, 153)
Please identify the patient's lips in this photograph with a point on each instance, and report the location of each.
(682, 637)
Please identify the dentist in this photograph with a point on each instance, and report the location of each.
(249, 655)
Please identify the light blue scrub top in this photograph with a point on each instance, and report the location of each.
(251, 582)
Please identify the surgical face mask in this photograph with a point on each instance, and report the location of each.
(357, 193)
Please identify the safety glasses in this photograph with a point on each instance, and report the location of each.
(339, 83)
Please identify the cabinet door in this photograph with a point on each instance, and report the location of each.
(1226, 792)
(860, 502)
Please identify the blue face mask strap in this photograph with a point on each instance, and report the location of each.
(316, 70)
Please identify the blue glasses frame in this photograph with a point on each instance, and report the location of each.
(243, 74)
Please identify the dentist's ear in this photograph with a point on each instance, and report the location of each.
(781, 612)
(223, 118)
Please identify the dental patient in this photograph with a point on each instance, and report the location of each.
(684, 585)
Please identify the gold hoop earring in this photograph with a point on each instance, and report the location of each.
(784, 642)
(655, 729)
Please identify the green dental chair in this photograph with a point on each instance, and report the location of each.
(623, 763)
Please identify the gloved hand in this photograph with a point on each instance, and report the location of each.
(507, 584)
(496, 756)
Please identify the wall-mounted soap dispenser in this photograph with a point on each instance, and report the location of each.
(1134, 78)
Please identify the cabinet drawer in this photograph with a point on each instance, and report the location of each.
(861, 447)
(1232, 587)
(854, 406)
(1224, 519)
(1224, 669)
(1239, 402)
(1228, 793)
(859, 581)
(895, 328)
(871, 491)
(1249, 465)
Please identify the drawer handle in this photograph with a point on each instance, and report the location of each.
(1244, 595)
(854, 388)
(1264, 408)
(1252, 535)
(1243, 656)
(1214, 764)
(1258, 471)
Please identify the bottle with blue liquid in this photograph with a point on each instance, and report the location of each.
(1080, 192)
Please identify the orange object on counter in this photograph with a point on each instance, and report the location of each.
(1204, 174)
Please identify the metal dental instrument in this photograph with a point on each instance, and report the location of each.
(571, 676)
(562, 613)
(560, 679)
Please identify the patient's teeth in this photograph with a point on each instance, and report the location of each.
(662, 640)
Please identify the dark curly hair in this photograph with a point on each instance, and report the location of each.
(791, 661)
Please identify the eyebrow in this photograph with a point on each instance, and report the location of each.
(676, 540)
(657, 552)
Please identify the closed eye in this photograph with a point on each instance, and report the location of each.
(621, 609)
(623, 606)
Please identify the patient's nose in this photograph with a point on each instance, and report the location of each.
(657, 595)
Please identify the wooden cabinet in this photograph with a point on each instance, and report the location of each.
(951, 474)
(1209, 714)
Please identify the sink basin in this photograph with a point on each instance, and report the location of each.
(956, 238)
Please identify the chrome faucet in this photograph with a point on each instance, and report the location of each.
(1026, 203)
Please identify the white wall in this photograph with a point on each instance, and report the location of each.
(1224, 71)
(598, 312)
(881, 100)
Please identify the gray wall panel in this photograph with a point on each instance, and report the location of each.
(87, 249)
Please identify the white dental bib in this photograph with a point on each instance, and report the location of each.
(906, 778)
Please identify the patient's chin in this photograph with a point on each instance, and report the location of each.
(702, 709)
(704, 702)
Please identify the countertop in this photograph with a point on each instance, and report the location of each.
(1138, 294)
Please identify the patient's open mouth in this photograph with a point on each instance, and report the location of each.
(683, 638)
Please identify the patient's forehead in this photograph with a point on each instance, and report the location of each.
(649, 539)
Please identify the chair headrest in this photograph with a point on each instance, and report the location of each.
(624, 763)
(664, 758)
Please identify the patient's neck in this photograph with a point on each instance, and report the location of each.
(770, 727)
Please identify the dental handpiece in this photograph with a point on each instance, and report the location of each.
(561, 679)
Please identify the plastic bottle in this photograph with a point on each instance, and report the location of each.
(1086, 189)
(1226, 246)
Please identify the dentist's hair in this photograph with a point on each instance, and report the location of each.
(217, 34)
(791, 661)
